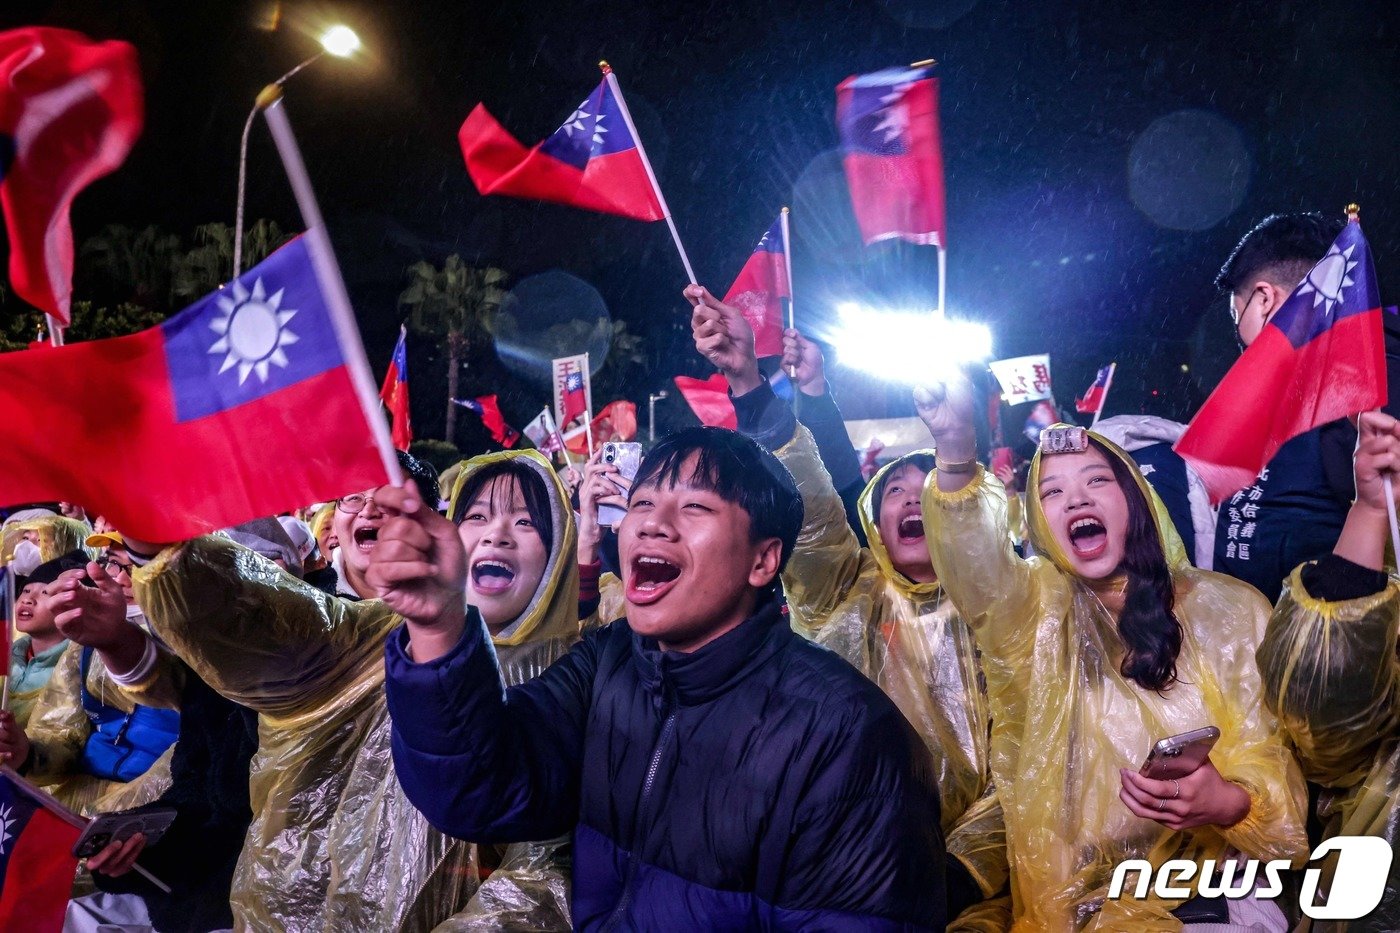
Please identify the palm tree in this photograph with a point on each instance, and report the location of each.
(454, 305)
(209, 265)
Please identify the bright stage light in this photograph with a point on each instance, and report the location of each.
(912, 347)
(340, 41)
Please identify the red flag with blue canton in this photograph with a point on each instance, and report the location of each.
(240, 406)
(1319, 358)
(888, 123)
(37, 864)
(70, 110)
(759, 291)
(592, 161)
(394, 393)
(489, 409)
(1093, 399)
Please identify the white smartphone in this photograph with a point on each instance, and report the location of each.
(627, 457)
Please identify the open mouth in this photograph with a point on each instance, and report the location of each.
(911, 528)
(1088, 538)
(365, 538)
(492, 577)
(650, 578)
(23, 615)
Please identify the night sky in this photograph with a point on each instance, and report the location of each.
(1102, 158)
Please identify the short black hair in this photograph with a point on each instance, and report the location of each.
(923, 461)
(1280, 249)
(532, 490)
(736, 469)
(423, 474)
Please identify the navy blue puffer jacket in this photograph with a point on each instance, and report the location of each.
(757, 783)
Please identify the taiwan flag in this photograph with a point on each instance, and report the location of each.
(760, 289)
(709, 399)
(1093, 400)
(1319, 358)
(489, 409)
(250, 402)
(394, 393)
(70, 111)
(37, 864)
(888, 123)
(593, 160)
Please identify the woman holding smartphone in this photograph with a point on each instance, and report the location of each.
(1094, 651)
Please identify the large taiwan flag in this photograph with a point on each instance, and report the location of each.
(759, 291)
(593, 160)
(70, 111)
(1320, 358)
(888, 123)
(250, 402)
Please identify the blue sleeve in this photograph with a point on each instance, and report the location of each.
(482, 762)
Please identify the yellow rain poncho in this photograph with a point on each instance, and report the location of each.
(907, 637)
(334, 844)
(1065, 720)
(55, 536)
(58, 727)
(1331, 674)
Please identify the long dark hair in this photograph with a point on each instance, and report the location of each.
(532, 489)
(1147, 624)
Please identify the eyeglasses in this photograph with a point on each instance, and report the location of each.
(353, 505)
(114, 566)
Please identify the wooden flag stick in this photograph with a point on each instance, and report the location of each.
(318, 246)
(646, 163)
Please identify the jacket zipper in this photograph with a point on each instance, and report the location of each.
(644, 818)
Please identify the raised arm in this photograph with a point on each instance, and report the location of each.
(255, 633)
(480, 762)
(1328, 657)
(965, 521)
(826, 561)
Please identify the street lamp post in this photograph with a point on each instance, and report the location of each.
(651, 414)
(338, 41)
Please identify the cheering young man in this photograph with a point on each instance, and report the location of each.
(708, 760)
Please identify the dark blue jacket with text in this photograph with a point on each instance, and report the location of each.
(759, 782)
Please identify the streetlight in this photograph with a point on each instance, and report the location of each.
(339, 41)
(651, 414)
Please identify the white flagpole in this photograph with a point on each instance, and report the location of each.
(646, 163)
(1108, 384)
(942, 282)
(328, 275)
(558, 437)
(787, 267)
(10, 633)
(55, 330)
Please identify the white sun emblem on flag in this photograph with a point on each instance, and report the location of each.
(1330, 278)
(252, 331)
(7, 823)
(578, 121)
(894, 120)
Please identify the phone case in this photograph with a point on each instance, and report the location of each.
(1176, 756)
(107, 827)
(627, 457)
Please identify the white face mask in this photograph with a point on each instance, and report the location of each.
(27, 558)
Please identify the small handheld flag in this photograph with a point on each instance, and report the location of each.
(37, 863)
(541, 432)
(616, 422)
(70, 111)
(595, 161)
(1319, 358)
(491, 418)
(709, 399)
(1094, 400)
(760, 289)
(242, 405)
(394, 393)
